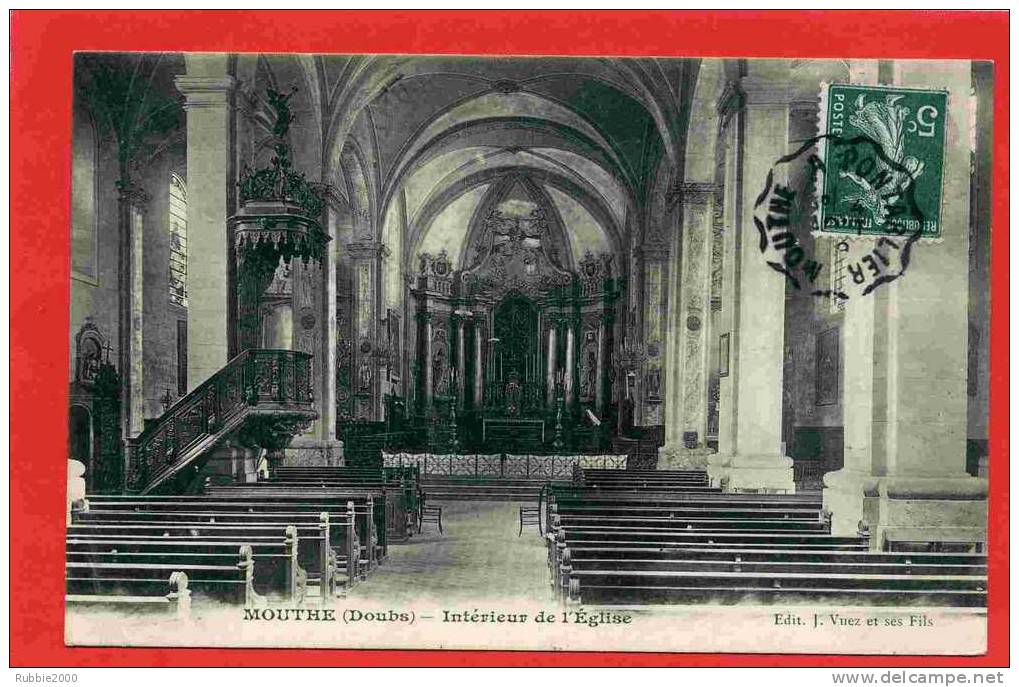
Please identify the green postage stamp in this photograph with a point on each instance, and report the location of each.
(882, 150)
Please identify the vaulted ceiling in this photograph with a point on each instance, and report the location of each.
(425, 139)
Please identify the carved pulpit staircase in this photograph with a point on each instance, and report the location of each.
(264, 396)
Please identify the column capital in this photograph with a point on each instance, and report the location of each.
(368, 249)
(697, 192)
(133, 194)
(692, 193)
(654, 251)
(763, 92)
(730, 100)
(205, 91)
(330, 194)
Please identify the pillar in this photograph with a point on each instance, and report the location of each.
(131, 359)
(570, 363)
(905, 390)
(207, 89)
(366, 295)
(479, 338)
(750, 454)
(326, 357)
(461, 358)
(604, 326)
(312, 310)
(550, 366)
(686, 340)
(425, 360)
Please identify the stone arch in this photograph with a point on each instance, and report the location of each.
(420, 223)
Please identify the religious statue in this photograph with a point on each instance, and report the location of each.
(654, 383)
(587, 382)
(280, 105)
(364, 375)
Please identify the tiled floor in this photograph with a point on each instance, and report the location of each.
(478, 556)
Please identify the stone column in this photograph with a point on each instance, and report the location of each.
(312, 311)
(425, 360)
(326, 367)
(604, 325)
(132, 306)
(461, 359)
(207, 89)
(905, 397)
(366, 263)
(479, 367)
(750, 454)
(570, 364)
(686, 340)
(550, 366)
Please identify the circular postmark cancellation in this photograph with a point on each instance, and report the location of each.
(870, 183)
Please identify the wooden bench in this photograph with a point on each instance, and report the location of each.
(328, 535)
(118, 545)
(628, 547)
(765, 561)
(176, 601)
(372, 520)
(227, 577)
(671, 587)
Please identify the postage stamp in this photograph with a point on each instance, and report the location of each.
(883, 148)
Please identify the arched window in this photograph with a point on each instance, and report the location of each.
(178, 222)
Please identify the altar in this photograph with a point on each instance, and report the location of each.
(512, 430)
(514, 345)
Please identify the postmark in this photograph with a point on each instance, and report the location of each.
(868, 188)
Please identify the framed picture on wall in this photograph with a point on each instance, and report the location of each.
(723, 355)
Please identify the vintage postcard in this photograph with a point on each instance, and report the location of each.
(535, 353)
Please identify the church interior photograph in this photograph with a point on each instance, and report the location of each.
(409, 332)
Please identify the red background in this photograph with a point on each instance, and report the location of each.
(41, 47)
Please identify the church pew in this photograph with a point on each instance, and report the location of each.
(342, 524)
(402, 497)
(757, 525)
(686, 507)
(683, 512)
(709, 560)
(329, 542)
(784, 560)
(563, 538)
(275, 562)
(227, 578)
(659, 487)
(176, 602)
(370, 521)
(656, 587)
(584, 496)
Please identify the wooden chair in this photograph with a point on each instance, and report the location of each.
(430, 514)
(530, 515)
